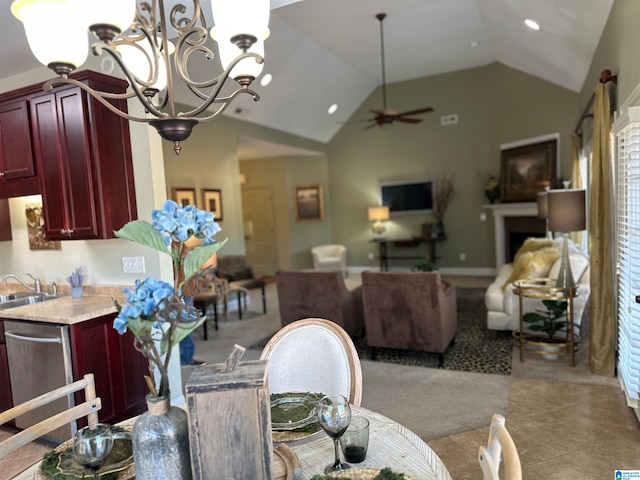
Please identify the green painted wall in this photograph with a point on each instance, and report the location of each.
(494, 104)
(617, 51)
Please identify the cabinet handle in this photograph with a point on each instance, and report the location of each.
(1, 174)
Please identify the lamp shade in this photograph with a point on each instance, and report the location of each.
(378, 213)
(139, 61)
(229, 51)
(116, 13)
(543, 204)
(55, 31)
(567, 210)
(249, 17)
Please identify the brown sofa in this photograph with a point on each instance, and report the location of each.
(319, 295)
(409, 310)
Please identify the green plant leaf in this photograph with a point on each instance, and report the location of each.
(185, 329)
(196, 257)
(532, 317)
(139, 327)
(142, 232)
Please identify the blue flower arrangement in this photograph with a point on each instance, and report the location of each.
(155, 311)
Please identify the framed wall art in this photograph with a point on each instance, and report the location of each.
(308, 203)
(527, 170)
(184, 196)
(212, 202)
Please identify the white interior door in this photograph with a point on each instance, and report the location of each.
(260, 230)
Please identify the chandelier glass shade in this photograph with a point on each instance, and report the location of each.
(140, 38)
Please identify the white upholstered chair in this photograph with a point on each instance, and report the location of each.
(88, 408)
(314, 355)
(330, 258)
(499, 447)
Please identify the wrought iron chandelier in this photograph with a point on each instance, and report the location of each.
(137, 37)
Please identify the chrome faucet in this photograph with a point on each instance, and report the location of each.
(36, 281)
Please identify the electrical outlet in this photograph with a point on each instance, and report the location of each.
(483, 217)
(371, 257)
(463, 257)
(448, 119)
(132, 264)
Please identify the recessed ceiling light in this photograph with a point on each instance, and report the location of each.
(266, 79)
(474, 44)
(532, 24)
(332, 109)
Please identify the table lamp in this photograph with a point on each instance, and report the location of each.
(567, 213)
(543, 210)
(378, 215)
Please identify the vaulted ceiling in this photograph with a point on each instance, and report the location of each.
(322, 52)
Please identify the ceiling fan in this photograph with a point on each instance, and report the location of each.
(387, 116)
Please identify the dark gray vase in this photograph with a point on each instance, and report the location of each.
(161, 442)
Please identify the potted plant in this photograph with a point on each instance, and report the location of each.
(548, 322)
(424, 265)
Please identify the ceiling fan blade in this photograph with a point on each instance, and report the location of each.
(415, 112)
(408, 120)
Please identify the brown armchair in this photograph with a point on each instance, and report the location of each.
(409, 310)
(319, 295)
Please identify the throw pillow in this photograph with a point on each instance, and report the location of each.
(534, 264)
(532, 244)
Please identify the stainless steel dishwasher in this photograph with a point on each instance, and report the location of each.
(39, 361)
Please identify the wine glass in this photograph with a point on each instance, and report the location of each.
(334, 416)
(92, 445)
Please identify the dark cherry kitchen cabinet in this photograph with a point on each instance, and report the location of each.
(83, 155)
(5, 221)
(17, 168)
(5, 384)
(119, 369)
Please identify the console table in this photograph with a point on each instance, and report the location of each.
(383, 246)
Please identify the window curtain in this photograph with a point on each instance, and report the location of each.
(602, 322)
(576, 178)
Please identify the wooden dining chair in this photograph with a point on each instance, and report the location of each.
(89, 408)
(499, 447)
(314, 355)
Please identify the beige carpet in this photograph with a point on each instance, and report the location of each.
(434, 403)
(560, 370)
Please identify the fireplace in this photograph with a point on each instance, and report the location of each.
(517, 230)
(514, 223)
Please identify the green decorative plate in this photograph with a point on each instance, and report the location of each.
(292, 411)
(60, 464)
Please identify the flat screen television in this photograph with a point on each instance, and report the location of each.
(408, 196)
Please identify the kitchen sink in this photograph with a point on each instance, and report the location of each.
(21, 299)
(13, 296)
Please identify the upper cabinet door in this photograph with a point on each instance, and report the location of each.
(16, 157)
(83, 155)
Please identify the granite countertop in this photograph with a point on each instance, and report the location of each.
(96, 302)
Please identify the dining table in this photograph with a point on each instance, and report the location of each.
(390, 445)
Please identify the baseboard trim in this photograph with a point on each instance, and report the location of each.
(453, 271)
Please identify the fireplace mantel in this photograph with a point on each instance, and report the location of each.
(502, 210)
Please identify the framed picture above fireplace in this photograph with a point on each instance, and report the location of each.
(527, 169)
